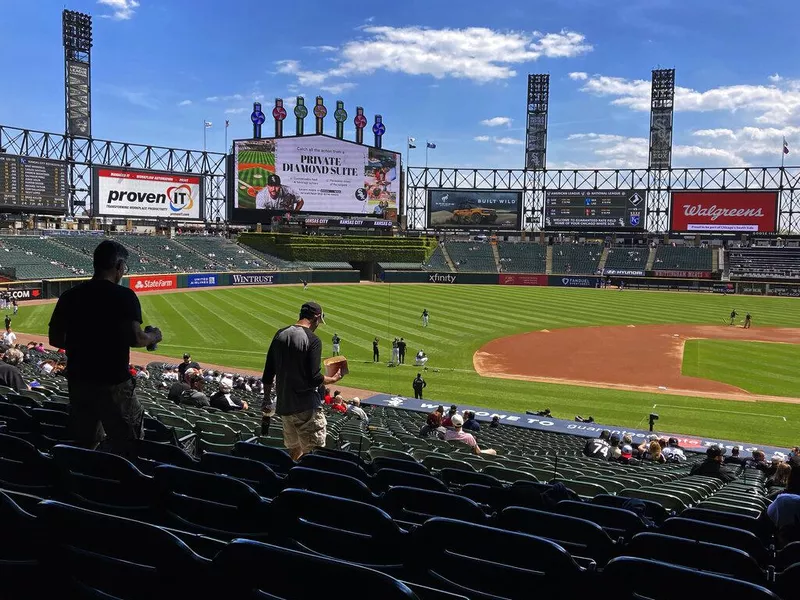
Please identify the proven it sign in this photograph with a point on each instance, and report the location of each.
(153, 283)
(147, 194)
(724, 211)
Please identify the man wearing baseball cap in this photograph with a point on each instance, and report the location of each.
(294, 364)
(712, 466)
(278, 197)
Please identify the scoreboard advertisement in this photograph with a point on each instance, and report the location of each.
(474, 209)
(33, 184)
(595, 210)
(724, 211)
(122, 192)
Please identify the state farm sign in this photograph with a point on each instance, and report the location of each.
(724, 211)
(153, 283)
(147, 194)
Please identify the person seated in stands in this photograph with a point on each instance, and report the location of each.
(186, 364)
(734, 459)
(223, 399)
(470, 424)
(421, 359)
(645, 445)
(191, 391)
(170, 374)
(712, 466)
(447, 421)
(614, 451)
(354, 409)
(495, 422)
(458, 435)
(777, 483)
(142, 373)
(10, 375)
(433, 422)
(758, 460)
(599, 447)
(626, 454)
(654, 453)
(338, 403)
(784, 511)
(327, 398)
(673, 452)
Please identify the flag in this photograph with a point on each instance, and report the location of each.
(411, 143)
(785, 146)
(412, 140)
(227, 122)
(430, 144)
(207, 124)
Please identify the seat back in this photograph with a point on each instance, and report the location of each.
(276, 459)
(760, 527)
(652, 510)
(148, 455)
(24, 469)
(335, 465)
(89, 554)
(333, 484)
(717, 534)
(338, 528)
(617, 521)
(414, 505)
(386, 478)
(458, 478)
(500, 563)
(255, 474)
(631, 577)
(235, 576)
(412, 466)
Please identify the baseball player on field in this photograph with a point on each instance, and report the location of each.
(424, 317)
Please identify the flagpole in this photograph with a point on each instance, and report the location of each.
(204, 134)
(426, 154)
(226, 137)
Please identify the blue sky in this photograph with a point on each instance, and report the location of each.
(454, 76)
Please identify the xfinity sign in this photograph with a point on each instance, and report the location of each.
(441, 278)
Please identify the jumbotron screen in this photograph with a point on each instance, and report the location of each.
(33, 184)
(314, 174)
(595, 210)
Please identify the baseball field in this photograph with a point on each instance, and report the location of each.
(614, 355)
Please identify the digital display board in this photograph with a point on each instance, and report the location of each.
(315, 174)
(33, 184)
(724, 212)
(474, 209)
(121, 192)
(595, 210)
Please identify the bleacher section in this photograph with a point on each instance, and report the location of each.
(577, 259)
(138, 262)
(682, 258)
(764, 264)
(522, 257)
(221, 252)
(400, 266)
(30, 257)
(437, 261)
(625, 257)
(322, 266)
(420, 510)
(472, 257)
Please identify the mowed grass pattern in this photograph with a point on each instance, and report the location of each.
(234, 327)
(758, 367)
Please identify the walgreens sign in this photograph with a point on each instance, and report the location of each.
(153, 283)
(724, 211)
(147, 194)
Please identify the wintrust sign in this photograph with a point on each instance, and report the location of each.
(153, 283)
(147, 194)
(725, 211)
(252, 279)
(441, 278)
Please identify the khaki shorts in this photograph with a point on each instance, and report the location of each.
(306, 430)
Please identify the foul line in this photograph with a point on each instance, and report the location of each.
(719, 410)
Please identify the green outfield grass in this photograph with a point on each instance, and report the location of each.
(234, 326)
(758, 367)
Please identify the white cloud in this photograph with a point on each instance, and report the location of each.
(185, 103)
(496, 121)
(231, 98)
(475, 53)
(337, 88)
(773, 104)
(235, 111)
(578, 76)
(481, 138)
(508, 141)
(321, 48)
(775, 78)
(122, 9)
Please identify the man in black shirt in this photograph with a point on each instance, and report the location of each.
(293, 361)
(712, 466)
(8, 322)
(186, 364)
(599, 448)
(419, 385)
(191, 392)
(401, 346)
(11, 377)
(376, 355)
(97, 322)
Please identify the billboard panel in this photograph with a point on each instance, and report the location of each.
(313, 174)
(252, 279)
(79, 115)
(38, 184)
(147, 194)
(595, 210)
(522, 279)
(193, 281)
(718, 212)
(152, 283)
(480, 209)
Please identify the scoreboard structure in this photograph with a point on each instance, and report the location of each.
(33, 184)
(595, 210)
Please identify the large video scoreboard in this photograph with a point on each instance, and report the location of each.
(595, 210)
(33, 184)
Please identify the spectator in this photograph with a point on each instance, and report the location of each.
(101, 392)
(338, 403)
(433, 422)
(653, 453)
(734, 458)
(448, 419)
(673, 452)
(778, 482)
(471, 424)
(626, 454)
(419, 384)
(757, 461)
(614, 451)
(186, 364)
(495, 422)
(293, 361)
(223, 399)
(712, 466)
(10, 375)
(598, 447)
(354, 409)
(327, 398)
(194, 396)
(9, 337)
(458, 435)
(784, 511)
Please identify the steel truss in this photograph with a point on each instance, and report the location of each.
(83, 154)
(658, 183)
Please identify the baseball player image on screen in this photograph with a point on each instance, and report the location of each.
(278, 197)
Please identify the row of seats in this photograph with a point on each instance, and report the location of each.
(683, 258)
(576, 259)
(764, 263)
(522, 257)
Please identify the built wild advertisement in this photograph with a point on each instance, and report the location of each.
(315, 174)
(474, 209)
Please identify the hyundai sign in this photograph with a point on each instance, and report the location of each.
(147, 194)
